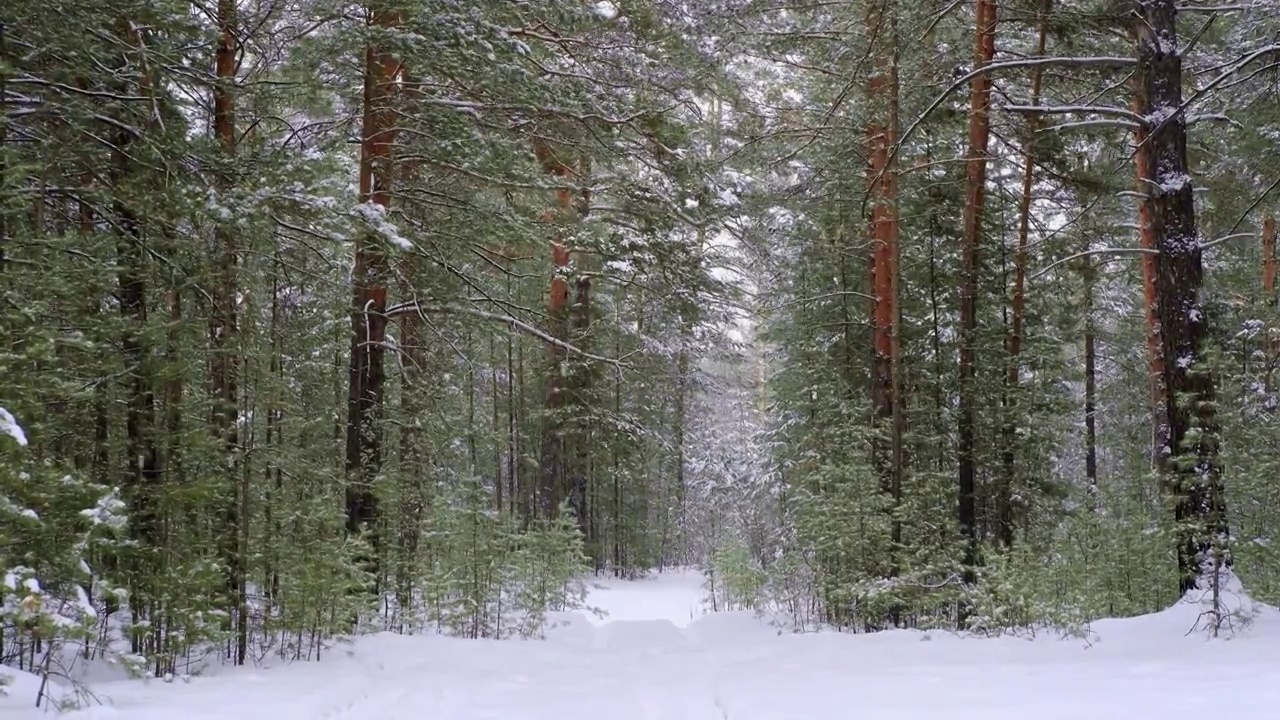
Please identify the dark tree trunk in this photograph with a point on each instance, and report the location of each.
(582, 388)
(1090, 387)
(1269, 300)
(143, 474)
(413, 455)
(274, 472)
(4, 135)
(1188, 382)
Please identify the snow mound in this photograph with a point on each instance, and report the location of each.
(1244, 619)
(630, 635)
(729, 629)
(19, 690)
(569, 628)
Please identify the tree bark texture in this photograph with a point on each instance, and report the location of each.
(368, 318)
(975, 195)
(1189, 398)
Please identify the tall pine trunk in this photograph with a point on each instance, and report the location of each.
(975, 195)
(368, 313)
(411, 492)
(1269, 300)
(1090, 383)
(1150, 296)
(222, 332)
(550, 489)
(1013, 343)
(143, 476)
(1188, 382)
(579, 474)
(142, 466)
(882, 134)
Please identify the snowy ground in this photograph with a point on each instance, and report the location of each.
(658, 658)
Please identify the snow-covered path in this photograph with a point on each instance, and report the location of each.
(683, 666)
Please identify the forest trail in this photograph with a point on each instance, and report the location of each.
(657, 657)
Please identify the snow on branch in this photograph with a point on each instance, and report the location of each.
(1077, 109)
(9, 426)
(1112, 116)
(1231, 69)
(991, 68)
(1218, 117)
(1077, 124)
(1134, 251)
(1194, 8)
(1226, 238)
(1087, 253)
(421, 310)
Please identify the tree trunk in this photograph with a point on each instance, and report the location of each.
(975, 194)
(142, 467)
(550, 489)
(1151, 297)
(368, 316)
(514, 494)
(1189, 384)
(1090, 386)
(274, 473)
(580, 474)
(1269, 259)
(882, 134)
(4, 136)
(1269, 300)
(1013, 344)
(222, 328)
(581, 398)
(413, 456)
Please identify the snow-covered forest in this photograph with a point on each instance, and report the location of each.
(324, 320)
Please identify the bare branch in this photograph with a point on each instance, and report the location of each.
(1225, 238)
(1105, 122)
(1087, 253)
(1077, 109)
(515, 323)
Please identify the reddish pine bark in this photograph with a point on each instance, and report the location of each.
(886, 380)
(550, 490)
(222, 331)
(1013, 343)
(561, 442)
(1151, 300)
(975, 195)
(368, 318)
